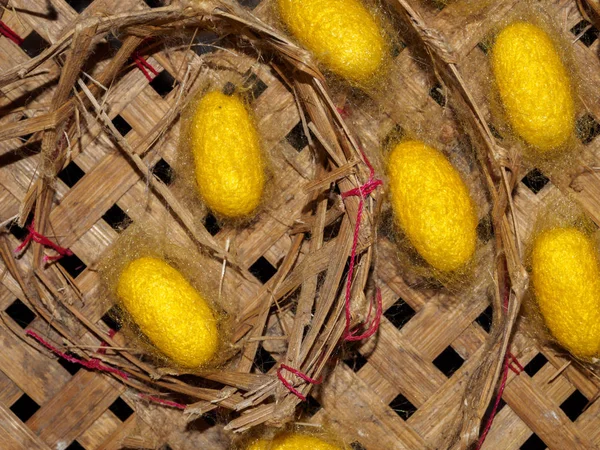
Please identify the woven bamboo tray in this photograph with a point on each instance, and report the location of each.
(400, 390)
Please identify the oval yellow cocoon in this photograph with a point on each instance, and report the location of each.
(169, 311)
(229, 165)
(566, 281)
(534, 86)
(432, 205)
(293, 441)
(342, 34)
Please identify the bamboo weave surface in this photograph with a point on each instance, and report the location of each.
(403, 388)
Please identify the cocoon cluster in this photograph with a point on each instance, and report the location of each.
(342, 34)
(432, 205)
(169, 311)
(534, 86)
(566, 280)
(229, 165)
(293, 441)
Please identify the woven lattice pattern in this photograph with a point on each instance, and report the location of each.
(399, 390)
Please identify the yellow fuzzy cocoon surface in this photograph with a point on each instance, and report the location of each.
(566, 280)
(293, 441)
(230, 168)
(342, 34)
(534, 86)
(169, 311)
(432, 205)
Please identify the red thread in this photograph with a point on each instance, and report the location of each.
(160, 401)
(513, 360)
(488, 425)
(299, 374)
(43, 240)
(9, 33)
(94, 364)
(362, 191)
(143, 64)
(509, 359)
(111, 334)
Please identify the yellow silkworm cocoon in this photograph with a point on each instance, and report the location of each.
(566, 280)
(432, 205)
(229, 165)
(344, 35)
(534, 86)
(293, 441)
(169, 311)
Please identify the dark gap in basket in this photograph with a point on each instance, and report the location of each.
(437, 94)
(403, 407)
(397, 49)
(111, 318)
(311, 406)
(263, 360)
(262, 269)
(495, 132)
(211, 417)
(297, 138)
(331, 231)
(484, 47)
(490, 408)
(333, 195)
(163, 171)
(254, 84)
(117, 218)
(448, 361)
(399, 313)
(533, 443)
(485, 319)
(113, 42)
(121, 125)
(71, 174)
(154, 3)
(121, 409)
(79, 5)
(205, 42)
(70, 367)
(75, 446)
(211, 224)
(574, 405)
(356, 361)
(20, 232)
(166, 447)
(251, 4)
(229, 88)
(24, 407)
(535, 180)
(589, 36)
(163, 83)
(587, 129)
(485, 229)
(34, 44)
(536, 364)
(72, 264)
(20, 313)
(357, 446)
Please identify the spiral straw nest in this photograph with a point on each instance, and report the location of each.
(312, 268)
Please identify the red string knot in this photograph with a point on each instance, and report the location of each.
(362, 192)
(43, 240)
(299, 374)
